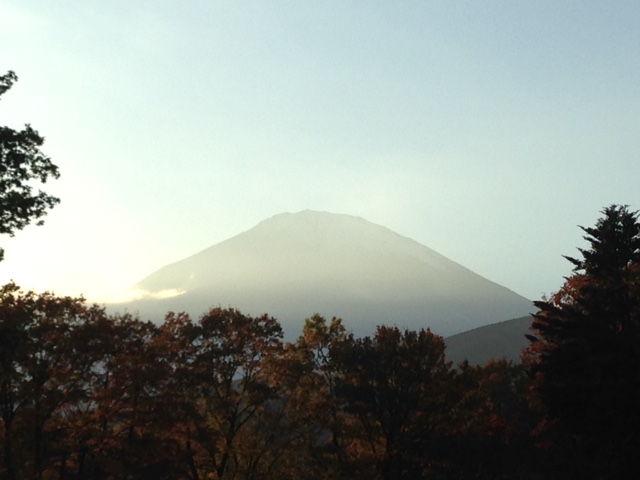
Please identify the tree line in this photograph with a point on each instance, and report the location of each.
(86, 395)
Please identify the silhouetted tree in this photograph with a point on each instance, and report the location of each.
(585, 354)
(21, 163)
(315, 410)
(40, 375)
(487, 435)
(227, 391)
(394, 386)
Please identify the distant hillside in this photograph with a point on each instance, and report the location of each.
(503, 339)
(294, 265)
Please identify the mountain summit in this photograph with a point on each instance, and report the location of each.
(296, 264)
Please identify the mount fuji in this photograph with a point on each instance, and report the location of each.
(296, 264)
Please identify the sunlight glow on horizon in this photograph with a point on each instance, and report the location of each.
(484, 132)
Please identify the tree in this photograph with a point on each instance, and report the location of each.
(40, 376)
(21, 163)
(227, 392)
(315, 411)
(487, 434)
(585, 353)
(394, 385)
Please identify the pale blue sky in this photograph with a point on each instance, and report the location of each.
(484, 130)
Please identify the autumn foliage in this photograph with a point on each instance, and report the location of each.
(86, 395)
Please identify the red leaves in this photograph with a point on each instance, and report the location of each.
(223, 397)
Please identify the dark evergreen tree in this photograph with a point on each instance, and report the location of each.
(585, 354)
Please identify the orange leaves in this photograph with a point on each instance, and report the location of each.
(223, 397)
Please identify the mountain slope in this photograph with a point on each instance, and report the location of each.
(478, 346)
(294, 265)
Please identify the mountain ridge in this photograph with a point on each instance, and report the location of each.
(293, 265)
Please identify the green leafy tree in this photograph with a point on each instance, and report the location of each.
(585, 354)
(21, 164)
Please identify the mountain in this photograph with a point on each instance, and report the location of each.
(504, 339)
(295, 264)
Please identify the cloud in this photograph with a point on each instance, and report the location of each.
(138, 294)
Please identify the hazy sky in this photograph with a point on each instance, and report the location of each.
(485, 130)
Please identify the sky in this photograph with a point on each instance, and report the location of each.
(487, 131)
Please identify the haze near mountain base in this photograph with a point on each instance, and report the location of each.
(294, 265)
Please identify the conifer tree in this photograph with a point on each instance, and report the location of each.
(585, 353)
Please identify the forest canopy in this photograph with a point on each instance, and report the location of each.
(88, 395)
